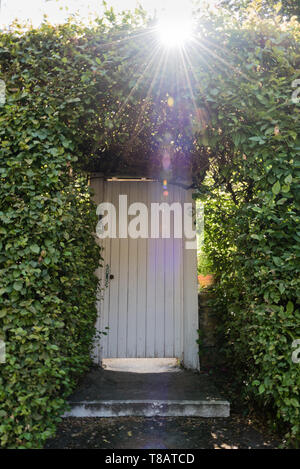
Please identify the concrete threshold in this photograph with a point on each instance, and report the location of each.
(149, 408)
(174, 393)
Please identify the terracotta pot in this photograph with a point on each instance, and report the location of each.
(205, 280)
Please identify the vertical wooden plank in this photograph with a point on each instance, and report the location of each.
(160, 288)
(104, 339)
(123, 287)
(169, 284)
(178, 287)
(190, 299)
(151, 279)
(114, 283)
(96, 184)
(141, 281)
(132, 286)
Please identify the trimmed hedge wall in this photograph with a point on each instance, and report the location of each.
(252, 211)
(47, 260)
(256, 298)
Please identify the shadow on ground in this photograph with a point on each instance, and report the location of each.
(159, 433)
(106, 384)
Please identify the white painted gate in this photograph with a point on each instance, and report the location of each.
(149, 286)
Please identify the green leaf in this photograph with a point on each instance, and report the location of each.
(288, 179)
(286, 188)
(276, 188)
(294, 402)
(35, 248)
(261, 388)
(18, 286)
(72, 100)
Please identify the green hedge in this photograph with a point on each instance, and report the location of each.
(57, 97)
(252, 216)
(257, 301)
(252, 211)
(47, 259)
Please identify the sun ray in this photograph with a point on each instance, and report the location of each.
(162, 59)
(164, 68)
(188, 79)
(147, 63)
(140, 34)
(223, 61)
(196, 79)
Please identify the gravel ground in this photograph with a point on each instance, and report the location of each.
(235, 432)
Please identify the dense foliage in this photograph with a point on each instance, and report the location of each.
(252, 215)
(287, 8)
(47, 254)
(109, 95)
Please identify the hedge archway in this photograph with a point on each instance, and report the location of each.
(107, 96)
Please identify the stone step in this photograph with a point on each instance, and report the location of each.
(149, 408)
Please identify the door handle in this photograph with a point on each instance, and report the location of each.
(108, 275)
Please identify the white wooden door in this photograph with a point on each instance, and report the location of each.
(142, 281)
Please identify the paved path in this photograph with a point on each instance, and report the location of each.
(160, 380)
(160, 432)
(121, 385)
